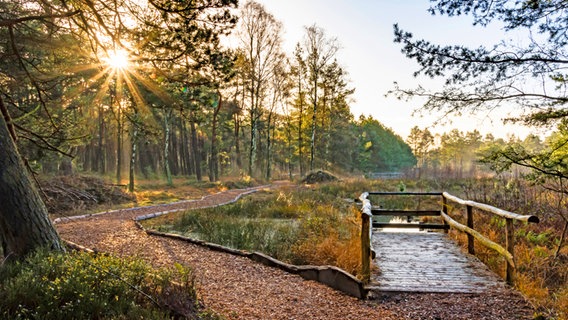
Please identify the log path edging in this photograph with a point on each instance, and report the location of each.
(331, 276)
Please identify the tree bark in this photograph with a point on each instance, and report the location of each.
(237, 142)
(214, 163)
(167, 115)
(133, 145)
(100, 155)
(300, 129)
(24, 221)
(119, 147)
(186, 159)
(252, 142)
(268, 148)
(314, 124)
(195, 148)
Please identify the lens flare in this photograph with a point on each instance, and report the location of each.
(118, 59)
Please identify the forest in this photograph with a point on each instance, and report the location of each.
(121, 94)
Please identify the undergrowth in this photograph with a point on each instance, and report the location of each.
(540, 257)
(50, 285)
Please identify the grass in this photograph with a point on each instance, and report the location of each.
(307, 225)
(50, 285)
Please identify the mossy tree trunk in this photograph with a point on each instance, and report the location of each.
(24, 222)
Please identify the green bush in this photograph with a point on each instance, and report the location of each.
(80, 286)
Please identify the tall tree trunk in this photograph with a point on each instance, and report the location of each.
(214, 163)
(173, 153)
(300, 128)
(100, 155)
(119, 146)
(237, 121)
(237, 142)
(167, 115)
(134, 143)
(186, 158)
(195, 148)
(268, 149)
(327, 134)
(24, 221)
(314, 123)
(252, 146)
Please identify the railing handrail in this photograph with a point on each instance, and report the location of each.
(484, 240)
(485, 207)
(380, 193)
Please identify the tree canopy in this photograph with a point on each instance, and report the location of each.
(528, 75)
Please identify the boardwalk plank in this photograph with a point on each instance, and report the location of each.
(427, 262)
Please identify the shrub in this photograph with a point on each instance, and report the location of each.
(81, 286)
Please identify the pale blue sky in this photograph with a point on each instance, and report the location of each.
(374, 62)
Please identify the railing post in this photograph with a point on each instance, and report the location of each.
(510, 246)
(444, 210)
(366, 230)
(365, 248)
(470, 238)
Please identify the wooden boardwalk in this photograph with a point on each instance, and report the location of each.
(427, 262)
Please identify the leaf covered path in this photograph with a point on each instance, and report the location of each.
(239, 288)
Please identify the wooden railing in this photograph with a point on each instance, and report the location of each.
(508, 252)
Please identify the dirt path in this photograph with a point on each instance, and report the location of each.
(239, 288)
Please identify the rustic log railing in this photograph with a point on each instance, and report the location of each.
(366, 232)
(508, 252)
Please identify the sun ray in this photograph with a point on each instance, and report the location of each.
(104, 88)
(118, 75)
(76, 91)
(153, 87)
(136, 94)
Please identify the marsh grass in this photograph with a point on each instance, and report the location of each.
(300, 226)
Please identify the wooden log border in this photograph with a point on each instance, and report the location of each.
(331, 276)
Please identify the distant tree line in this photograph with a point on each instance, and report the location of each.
(458, 154)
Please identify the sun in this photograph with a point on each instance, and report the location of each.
(117, 59)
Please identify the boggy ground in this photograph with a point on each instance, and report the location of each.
(238, 288)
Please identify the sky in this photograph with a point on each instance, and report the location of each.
(364, 28)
